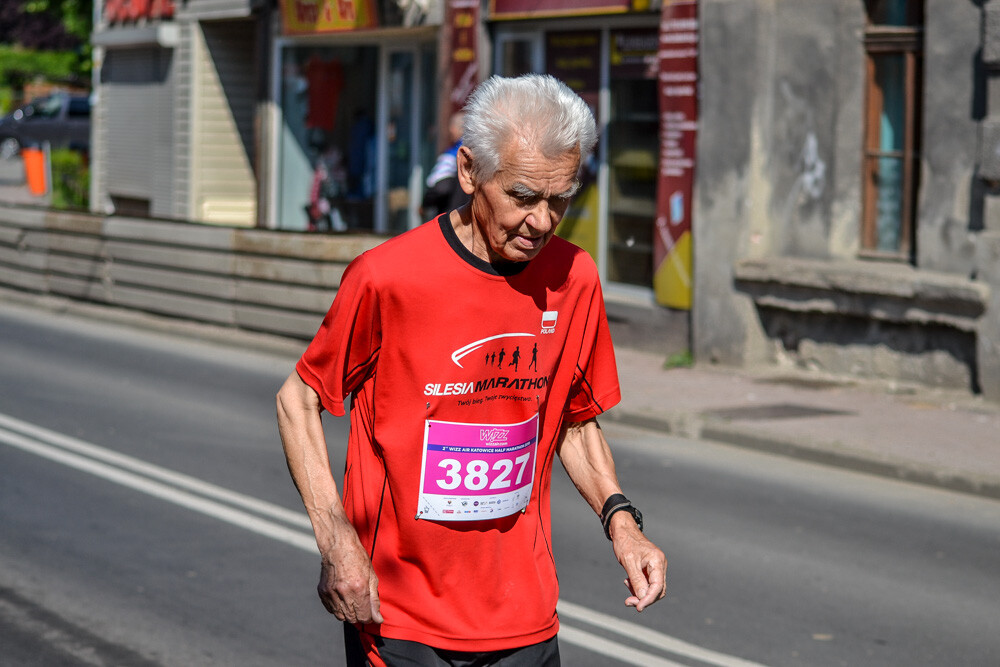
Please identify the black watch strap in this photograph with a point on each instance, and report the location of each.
(617, 502)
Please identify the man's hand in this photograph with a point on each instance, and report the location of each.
(644, 563)
(348, 586)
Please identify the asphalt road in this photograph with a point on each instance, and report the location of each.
(146, 518)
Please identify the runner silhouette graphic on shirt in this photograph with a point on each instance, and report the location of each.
(500, 358)
(515, 357)
(534, 357)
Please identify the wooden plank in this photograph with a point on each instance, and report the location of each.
(324, 275)
(74, 244)
(220, 288)
(90, 268)
(296, 298)
(77, 288)
(187, 259)
(280, 322)
(178, 305)
(24, 279)
(170, 233)
(18, 259)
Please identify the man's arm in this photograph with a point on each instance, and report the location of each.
(348, 586)
(585, 454)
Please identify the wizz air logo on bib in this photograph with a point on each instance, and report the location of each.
(549, 318)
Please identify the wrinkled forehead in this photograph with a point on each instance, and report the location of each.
(523, 158)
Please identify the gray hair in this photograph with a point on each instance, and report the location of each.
(535, 108)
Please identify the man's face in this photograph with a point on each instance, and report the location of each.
(516, 212)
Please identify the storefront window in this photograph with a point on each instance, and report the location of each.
(633, 127)
(616, 227)
(327, 158)
(575, 58)
(355, 139)
(516, 57)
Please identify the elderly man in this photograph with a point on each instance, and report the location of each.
(440, 551)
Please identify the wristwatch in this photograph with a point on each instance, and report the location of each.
(617, 503)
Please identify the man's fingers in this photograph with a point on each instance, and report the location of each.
(375, 603)
(654, 583)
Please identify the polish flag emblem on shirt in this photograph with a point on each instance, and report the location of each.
(549, 318)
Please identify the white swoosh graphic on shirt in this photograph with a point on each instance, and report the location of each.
(472, 347)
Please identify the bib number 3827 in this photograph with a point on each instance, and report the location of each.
(472, 472)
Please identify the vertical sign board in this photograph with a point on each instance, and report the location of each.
(307, 17)
(678, 92)
(462, 21)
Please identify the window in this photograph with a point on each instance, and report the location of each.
(893, 47)
(616, 225)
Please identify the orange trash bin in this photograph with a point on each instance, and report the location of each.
(34, 169)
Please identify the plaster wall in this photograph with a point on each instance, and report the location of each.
(779, 176)
(778, 154)
(950, 205)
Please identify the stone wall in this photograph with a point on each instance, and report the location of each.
(275, 282)
(778, 278)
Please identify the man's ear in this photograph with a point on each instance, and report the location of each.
(465, 179)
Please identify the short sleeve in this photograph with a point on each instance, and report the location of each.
(595, 381)
(343, 353)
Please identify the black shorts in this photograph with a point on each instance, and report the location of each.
(403, 653)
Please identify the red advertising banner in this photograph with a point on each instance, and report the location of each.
(517, 9)
(678, 92)
(462, 20)
(120, 11)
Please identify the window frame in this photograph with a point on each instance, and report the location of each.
(907, 41)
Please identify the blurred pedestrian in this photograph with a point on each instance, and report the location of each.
(443, 192)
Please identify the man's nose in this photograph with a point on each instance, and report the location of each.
(539, 218)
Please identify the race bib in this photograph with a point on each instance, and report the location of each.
(474, 472)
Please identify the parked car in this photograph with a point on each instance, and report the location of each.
(61, 119)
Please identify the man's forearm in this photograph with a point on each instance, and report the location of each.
(301, 429)
(586, 456)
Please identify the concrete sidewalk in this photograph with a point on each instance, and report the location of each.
(942, 438)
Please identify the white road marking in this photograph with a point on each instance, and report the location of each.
(181, 490)
(649, 637)
(155, 472)
(612, 649)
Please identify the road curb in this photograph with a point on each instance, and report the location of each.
(697, 427)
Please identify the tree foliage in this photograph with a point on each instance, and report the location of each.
(45, 38)
(75, 16)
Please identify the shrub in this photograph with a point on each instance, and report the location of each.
(70, 179)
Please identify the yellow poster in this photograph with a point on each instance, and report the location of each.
(306, 17)
(672, 281)
(579, 224)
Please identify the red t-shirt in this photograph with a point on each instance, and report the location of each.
(426, 338)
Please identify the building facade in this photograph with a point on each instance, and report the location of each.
(810, 184)
(176, 115)
(846, 216)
